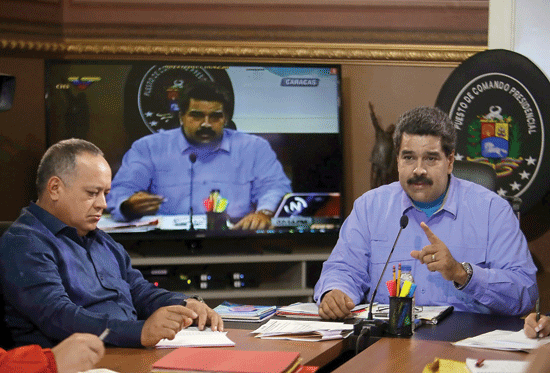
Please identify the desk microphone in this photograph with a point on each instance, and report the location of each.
(403, 223)
(192, 159)
(369, 329)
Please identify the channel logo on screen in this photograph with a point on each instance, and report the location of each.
(299, 82)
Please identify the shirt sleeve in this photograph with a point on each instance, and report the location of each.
(134, 175)
(270, 181)
(347, 267)
(506, 281)
(27, 359)
(147, 298)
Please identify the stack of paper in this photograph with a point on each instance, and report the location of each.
(310, 331)
(244, 313)
(193, 337)
(504, 340)
(311, 310)
(234, 361)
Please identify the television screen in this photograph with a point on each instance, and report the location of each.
(272, 145)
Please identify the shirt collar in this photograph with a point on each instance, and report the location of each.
(449, 203)
(56, 226)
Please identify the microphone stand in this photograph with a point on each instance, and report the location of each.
(192, 159)
(365, 329)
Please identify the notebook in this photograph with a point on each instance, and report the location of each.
(226, 361)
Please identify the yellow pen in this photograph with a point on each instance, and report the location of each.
(405, 289)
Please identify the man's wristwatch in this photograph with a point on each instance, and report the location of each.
(197, 297)
(469, 271)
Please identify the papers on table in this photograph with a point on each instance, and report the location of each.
(497, 366)
(244, 313)
(310, 310)
(429, 314)
(148, 223)
(504, 340)
(193, 337)
(310, 331)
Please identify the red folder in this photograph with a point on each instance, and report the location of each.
(227, 361)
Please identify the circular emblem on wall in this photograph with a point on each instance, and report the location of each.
(160, 89)
(498, 101)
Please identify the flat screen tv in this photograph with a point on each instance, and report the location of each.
(295, 108)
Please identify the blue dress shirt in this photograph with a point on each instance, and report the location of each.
(56, 283)
(243, 167)
(477, 226)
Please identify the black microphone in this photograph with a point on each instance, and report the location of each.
(403, 223)
(192, 159)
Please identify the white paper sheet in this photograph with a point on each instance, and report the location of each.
(193, 337)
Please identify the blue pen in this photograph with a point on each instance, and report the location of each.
(411, 292)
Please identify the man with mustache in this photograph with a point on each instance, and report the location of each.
(463, 242)
(155, 172)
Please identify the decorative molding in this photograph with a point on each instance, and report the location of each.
(251, 51)
(384, 3)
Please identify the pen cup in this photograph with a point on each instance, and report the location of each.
(400, 316)
(216, 221)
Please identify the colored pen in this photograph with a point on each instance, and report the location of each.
(393, 273)
(104, 335)
(479, 363)
(405, 289)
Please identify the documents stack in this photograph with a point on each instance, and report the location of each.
(244, 313)
(309, 331)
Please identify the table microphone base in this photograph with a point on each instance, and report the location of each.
(367, 332)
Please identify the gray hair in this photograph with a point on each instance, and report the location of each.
(60, 160)
(425, 120)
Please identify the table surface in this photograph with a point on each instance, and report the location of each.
(140, 360)
(385, 355)
(411, 355)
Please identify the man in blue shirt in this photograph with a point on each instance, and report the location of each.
(155, 175)
(463, 242)
(61, 275)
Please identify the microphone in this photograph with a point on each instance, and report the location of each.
(402, 223)
(370, 328)
(192, 159)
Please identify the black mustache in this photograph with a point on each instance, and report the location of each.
(205, 131)
(420, 179)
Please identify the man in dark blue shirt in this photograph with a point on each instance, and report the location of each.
(61, 275)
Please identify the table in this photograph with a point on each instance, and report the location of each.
(139, 360)
(411, 355)
(385, 355)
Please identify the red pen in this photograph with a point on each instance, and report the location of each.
(479, 362)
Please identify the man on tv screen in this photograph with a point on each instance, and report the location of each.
(219, 169)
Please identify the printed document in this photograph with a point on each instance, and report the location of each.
(193, 337)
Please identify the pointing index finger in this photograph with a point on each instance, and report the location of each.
(431, 236)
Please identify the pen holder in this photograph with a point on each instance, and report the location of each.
(400, 316)
(216, 221)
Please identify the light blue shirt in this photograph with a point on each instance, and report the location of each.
(243, 167)
(477, 226)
